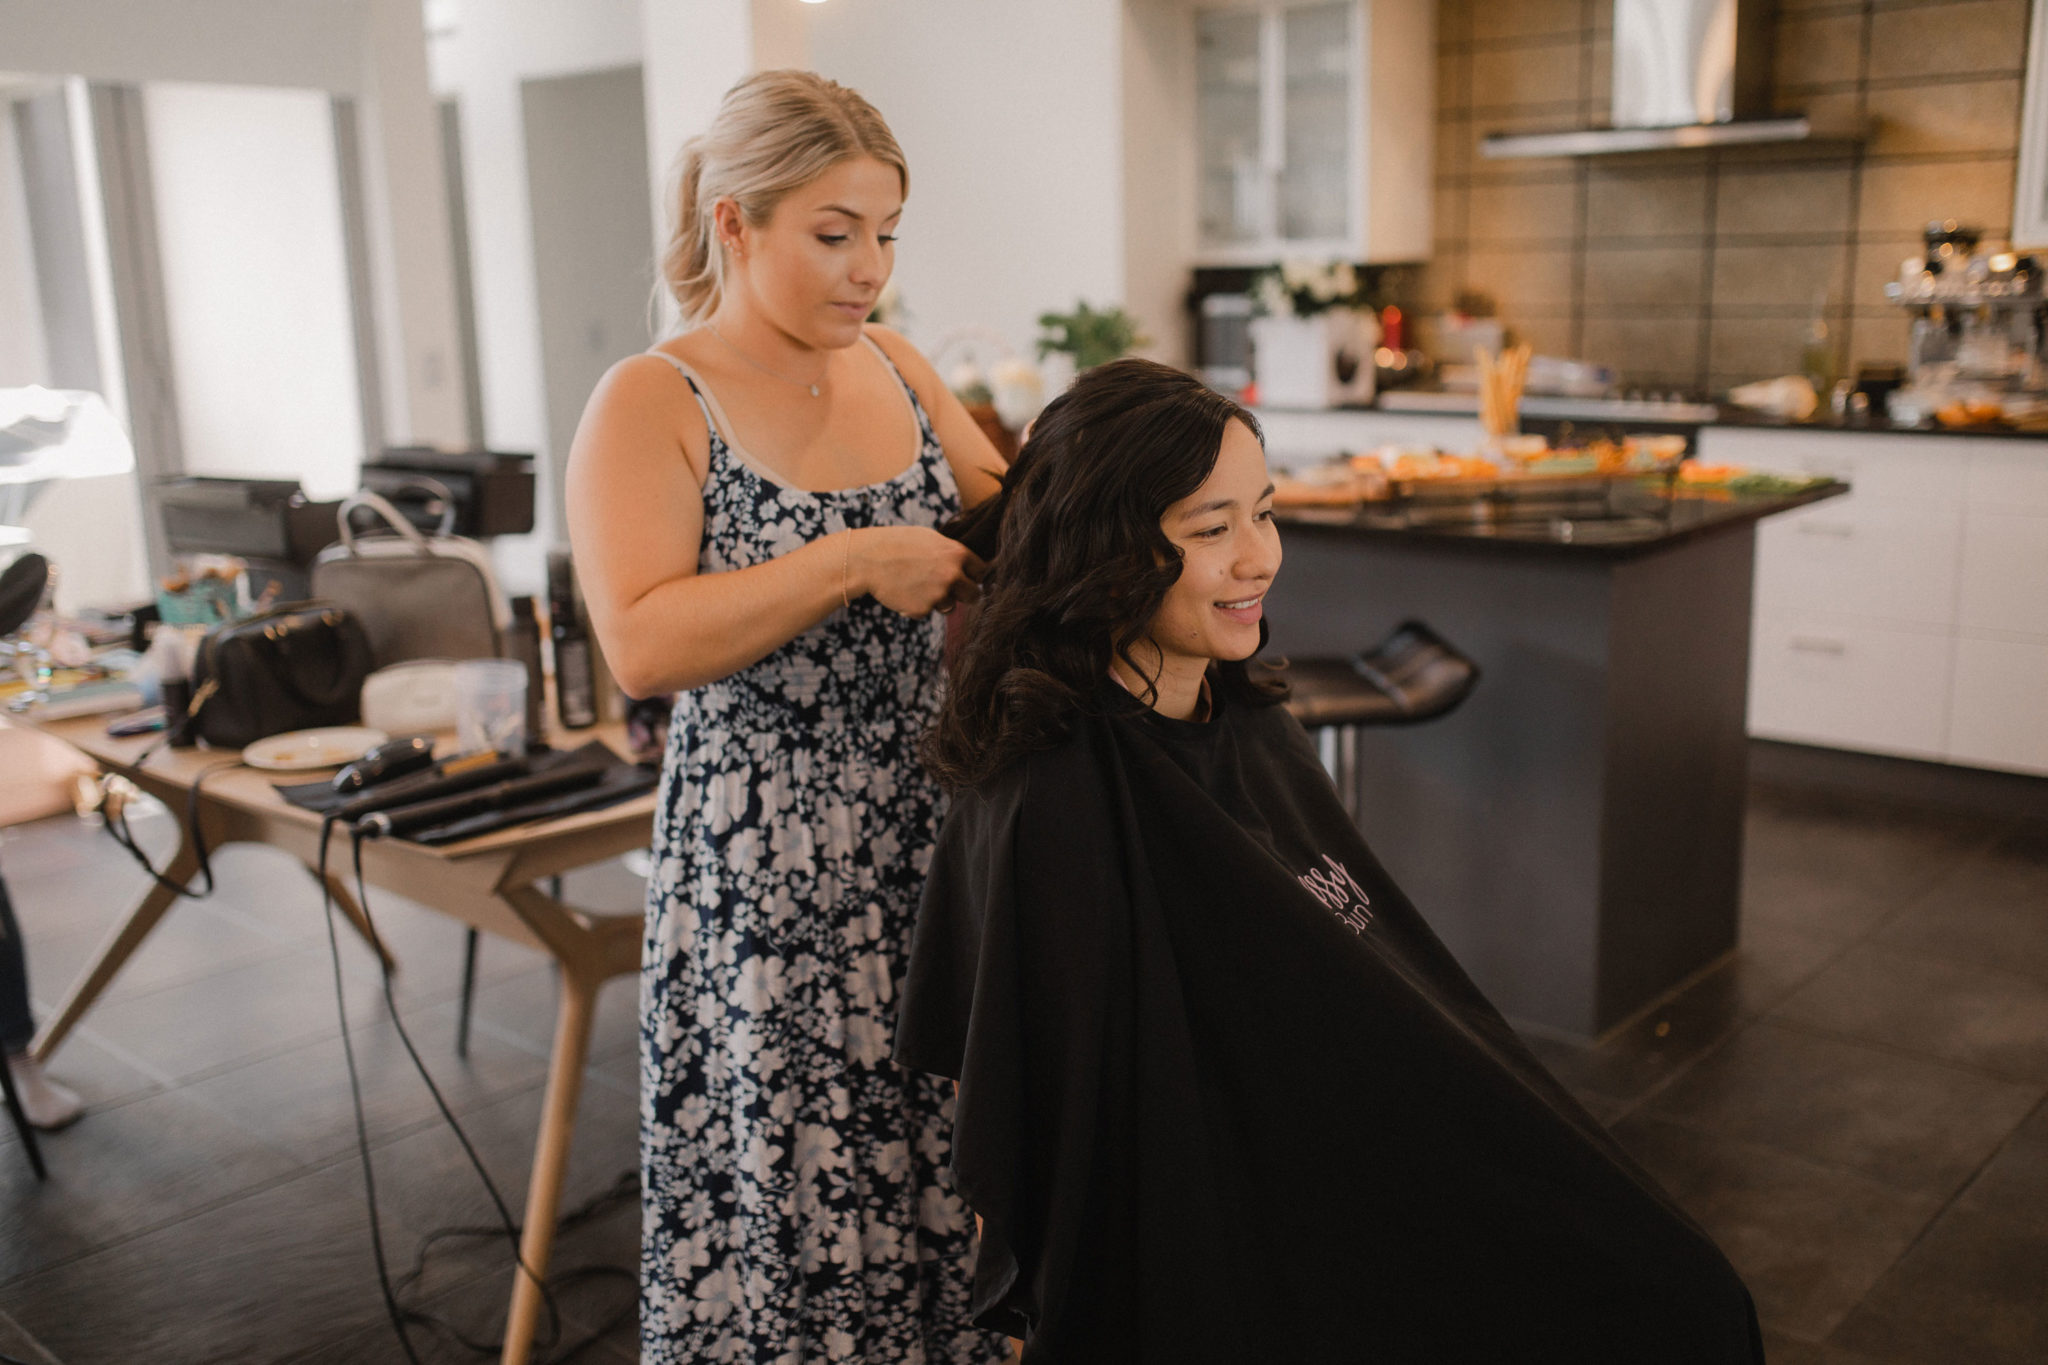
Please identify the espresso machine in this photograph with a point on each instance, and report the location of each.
(1978, 320)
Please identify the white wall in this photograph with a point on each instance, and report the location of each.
(1009, 115)
(412, 267)
(249, 228)
(694, 51)
(368, 49)
(480, 63)
(22, 359)
(260, 42)
(1159, 171)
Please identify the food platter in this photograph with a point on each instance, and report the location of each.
(1519, 468)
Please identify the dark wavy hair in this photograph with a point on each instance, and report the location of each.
(1078, 564)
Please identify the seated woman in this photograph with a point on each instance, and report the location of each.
(1223, 1095)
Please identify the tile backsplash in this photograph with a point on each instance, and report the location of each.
(1697, 270)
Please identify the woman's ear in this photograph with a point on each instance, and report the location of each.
(729, 225)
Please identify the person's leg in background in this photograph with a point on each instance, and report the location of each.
(47, 1104)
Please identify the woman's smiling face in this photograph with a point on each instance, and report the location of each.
(1230, 550)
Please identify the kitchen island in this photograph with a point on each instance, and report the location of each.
(1574, 831)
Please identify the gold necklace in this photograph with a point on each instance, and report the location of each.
(758, 365)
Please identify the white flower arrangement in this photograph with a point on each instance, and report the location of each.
(1302, 289)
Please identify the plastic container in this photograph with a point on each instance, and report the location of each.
(490, 705)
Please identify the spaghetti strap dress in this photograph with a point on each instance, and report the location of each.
(797, 1202)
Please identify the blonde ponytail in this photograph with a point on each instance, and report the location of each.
(775, 132)
(689, 263)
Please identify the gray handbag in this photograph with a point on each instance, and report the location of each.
(417, 596)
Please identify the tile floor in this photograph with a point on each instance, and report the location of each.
(1856, 1106)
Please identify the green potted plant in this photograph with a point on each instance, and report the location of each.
(1089, 336)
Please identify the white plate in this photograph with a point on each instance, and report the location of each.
(302, 749)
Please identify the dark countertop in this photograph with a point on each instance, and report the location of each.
(1879, 426)
(1624, 524)
(1542, 412)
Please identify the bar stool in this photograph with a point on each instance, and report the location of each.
(1410, 677)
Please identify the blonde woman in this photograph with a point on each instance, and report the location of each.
(754, 506)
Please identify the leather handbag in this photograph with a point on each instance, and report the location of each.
(417, 596)
(291, 668)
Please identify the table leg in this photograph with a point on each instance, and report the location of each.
(550, 1157)
(126, 937)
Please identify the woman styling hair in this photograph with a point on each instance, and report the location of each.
(1223, 1095)
(754, 506)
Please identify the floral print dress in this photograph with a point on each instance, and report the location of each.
(796, 1200)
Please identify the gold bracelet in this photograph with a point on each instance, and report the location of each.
(846, 573)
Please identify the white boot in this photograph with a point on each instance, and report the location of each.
(48, 1105)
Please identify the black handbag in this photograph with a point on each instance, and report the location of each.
(292, 668)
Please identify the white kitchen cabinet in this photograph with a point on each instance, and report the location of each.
(2000, 713)
(1314, 136)
(1910, 616)
(1816, 679)
(2005, 572)
(1883, 561)
(2009, 476)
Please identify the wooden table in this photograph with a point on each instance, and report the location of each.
(492, 883)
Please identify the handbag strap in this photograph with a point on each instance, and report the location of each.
(390, 515)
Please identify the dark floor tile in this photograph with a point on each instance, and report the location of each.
(119, 1172)
(300, 1100)
(256, 1010)
(1969, 1291)
(98, 1073)
(1772, 961)
(429, 948)
(525, 1005)
(622, 1069)
(1918, 1126)
(1628, 1064)
(1810, 1240)
(476, 1309)
(191, 942)
(1992, 911)
(608, 888)
(16, 1342)
(269, 891)
(61, 891)
(2014, 1184)
(1979, 1016)
(425, 1182)
(1784, 1350)
(252, 1281)
(64, 846)
(1834, 868)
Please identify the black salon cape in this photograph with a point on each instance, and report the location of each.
(1207, 1119)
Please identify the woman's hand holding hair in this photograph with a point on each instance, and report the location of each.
(912, 570)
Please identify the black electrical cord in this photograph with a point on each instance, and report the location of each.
(625, 1187)
(505, 1220)
(115, 818)
(400, 1315)
(355, 1088)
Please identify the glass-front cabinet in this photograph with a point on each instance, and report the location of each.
(1304, 109)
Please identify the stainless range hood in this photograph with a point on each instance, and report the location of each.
(1687, 73)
